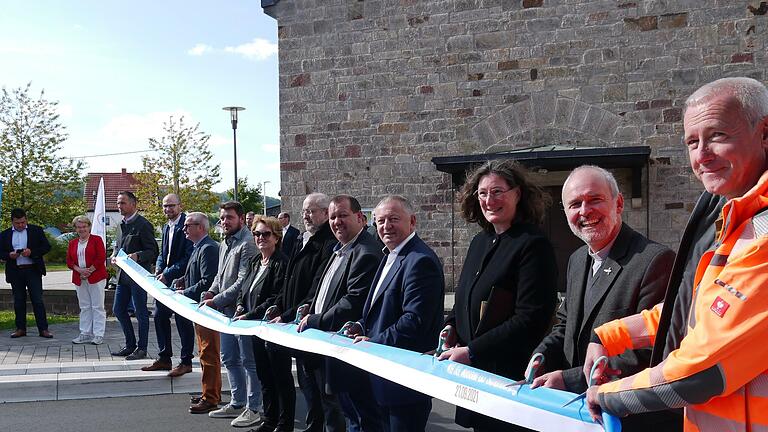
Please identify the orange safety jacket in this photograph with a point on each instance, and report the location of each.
(719, 374)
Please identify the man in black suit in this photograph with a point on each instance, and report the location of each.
(313, 250)
(616, 273)
(290, 234)
(170, 265)
(343, 288)
(22, 248)
(404, 309)
(137, 240)
(200, 271)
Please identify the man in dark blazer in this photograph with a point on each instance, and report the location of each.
(22, 248)
(343, 289)
(171, 264)
(616, 273)
(137, 240)
(201, 270)
(312, 252)
(404, 309)
(290, 234)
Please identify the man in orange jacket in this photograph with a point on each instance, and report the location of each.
(717, 372)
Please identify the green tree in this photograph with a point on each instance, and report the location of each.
(249, 196)
(36, 178)
(180, 163)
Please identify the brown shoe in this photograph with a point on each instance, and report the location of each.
(157, 365)
(180, 370)
(202, 407)
(46, 334)
(18, 333)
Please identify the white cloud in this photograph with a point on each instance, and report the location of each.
(257, 49)
(271, 148)
(219, 141)
(65, 110)
(199, 49)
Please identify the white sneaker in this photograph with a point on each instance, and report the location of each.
(81, 339)
(97, 340)
(227, 411)
(247, 418)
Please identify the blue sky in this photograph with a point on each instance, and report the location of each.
(119, 69)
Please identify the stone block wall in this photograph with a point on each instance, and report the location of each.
(371, 90)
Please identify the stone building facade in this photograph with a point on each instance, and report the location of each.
(372, 90)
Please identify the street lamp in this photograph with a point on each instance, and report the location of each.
(233, 113)
(264, 194)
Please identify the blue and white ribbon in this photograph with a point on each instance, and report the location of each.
(471, 388)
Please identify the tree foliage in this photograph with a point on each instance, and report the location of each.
(249, 196)
(35, 177)
(180, 163)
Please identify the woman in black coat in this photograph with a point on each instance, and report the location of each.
(507, 291)
(262, 285)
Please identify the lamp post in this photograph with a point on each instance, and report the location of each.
(233, 114)
(264, 194)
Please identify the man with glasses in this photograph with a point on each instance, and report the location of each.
(171, 263)
(202, 268)
(301, 279)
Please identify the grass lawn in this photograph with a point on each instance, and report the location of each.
(7, 319)
(56, 267)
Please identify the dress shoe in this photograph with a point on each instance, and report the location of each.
(46, 334)
(157, 365)
(195, 399)
(180, 370)
(202, 407)
(137, 355)
(18, 333)
(122, 352)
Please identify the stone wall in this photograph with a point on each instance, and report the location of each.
(371, 90)
(59, 302)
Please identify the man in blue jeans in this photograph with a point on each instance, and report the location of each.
(137, 240)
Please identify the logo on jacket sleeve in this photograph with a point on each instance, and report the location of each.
(719, 306)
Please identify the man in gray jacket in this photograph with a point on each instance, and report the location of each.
(235, 254)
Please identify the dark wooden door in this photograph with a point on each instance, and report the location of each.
(556, 228)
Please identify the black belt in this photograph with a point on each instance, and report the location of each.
(26, 266)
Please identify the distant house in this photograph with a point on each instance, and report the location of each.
(113, 184)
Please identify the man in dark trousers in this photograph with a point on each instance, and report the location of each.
(171, 264)
(201, 270)
(404, 309)
(290, 234)
(137, 240)
(22, 248)
(343, 288)
(310, 257)
(617, 271)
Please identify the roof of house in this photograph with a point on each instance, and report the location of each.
(113, 184)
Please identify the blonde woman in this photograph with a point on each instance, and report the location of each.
(86, 256)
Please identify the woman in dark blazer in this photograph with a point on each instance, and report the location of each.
(261, 287)
(87, 257)
(507, 290)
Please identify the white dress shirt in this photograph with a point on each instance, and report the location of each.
(390, 261)
(339, 252)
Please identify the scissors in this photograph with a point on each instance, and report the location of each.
(601, 362)
(301, 312)
(530, 371)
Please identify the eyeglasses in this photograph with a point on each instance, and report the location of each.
(265, 234)
(189, 224)
(311, 211)
(493, 193)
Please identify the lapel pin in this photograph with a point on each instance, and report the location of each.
(608, 270)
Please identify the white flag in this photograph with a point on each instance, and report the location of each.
(99, 227)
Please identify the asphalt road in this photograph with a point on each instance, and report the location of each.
(147, 414)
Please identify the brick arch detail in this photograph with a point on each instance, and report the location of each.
(548, 110)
